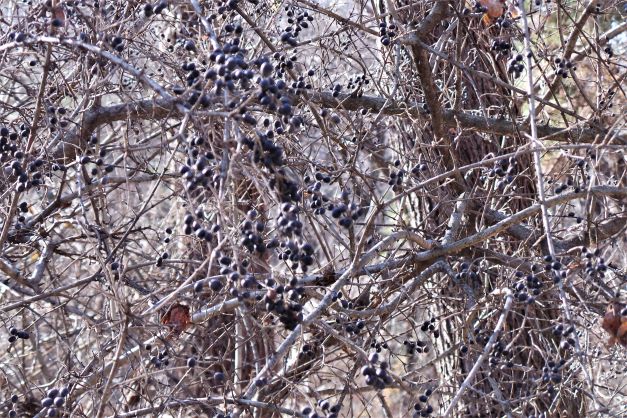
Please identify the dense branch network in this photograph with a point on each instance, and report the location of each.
(315, 209)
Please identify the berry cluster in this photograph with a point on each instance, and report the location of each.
(225, 8)
(606, 103)
(191, 362)
(563, 67)
(288, 223)
(297, 22)
(594, 264)
(480, 334)
(417, 346)
(354, 327)
(499, 353)
(95, 158)
(377, 377)
(419, 168)
(252, 230)
(564, 333)
(284, 302)
(194, 224)
(502, 47)
(346, 214)
(160, 358)
(466, 271)
(551, 376)
(200, 170)
(15, 333)
(528, 287)
(326, 410)
(504, 171)
(318, 199)
(56, 118)
(307, 352)
(159, 7)
(504, 22)
(266, 152)
(55, 399)
(396, 176)
(164, 254)
(609, 51)
(422, 408)
(117, 43)
(299, 255)
(430, 327)
(573, 180)
(479, 8)
(552, 267)
(378, 346)
(13, 399)
(356, 85)
(28, 173)
(515, 66)
(387, 33)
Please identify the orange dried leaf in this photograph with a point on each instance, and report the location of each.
(611, 321)
(177, 318)
(495, 7)
(622, 334)
(514, 11)
(614, 325)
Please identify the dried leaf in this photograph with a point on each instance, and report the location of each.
(495, 7)
(615, 325)
(177, 318)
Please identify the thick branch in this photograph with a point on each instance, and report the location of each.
(421, 60)
(604, 230)
(164, 108)
(151, 109)
(455, 247)
(463, 120)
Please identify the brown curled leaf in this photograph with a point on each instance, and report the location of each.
(615, 325)
(177, 318)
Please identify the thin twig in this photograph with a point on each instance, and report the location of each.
(509, 299)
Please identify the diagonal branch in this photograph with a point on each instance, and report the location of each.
(484, 354)
(455, 247)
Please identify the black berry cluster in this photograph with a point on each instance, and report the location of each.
(528, 287)
(563, 67)
(54, 400)
(15, 334)
(416, 347)
(515, 66)
(565, 334)
(284, 302)
(422, 408)
(479, 8)
(297, 22)
(379, 346)
(325, 410)
(160, 358)
(377, 377)
(387, 33)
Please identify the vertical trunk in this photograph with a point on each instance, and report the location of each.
(506, 374)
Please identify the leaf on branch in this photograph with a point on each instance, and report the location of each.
(495, 8)
(615, 325)
(177, 318)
